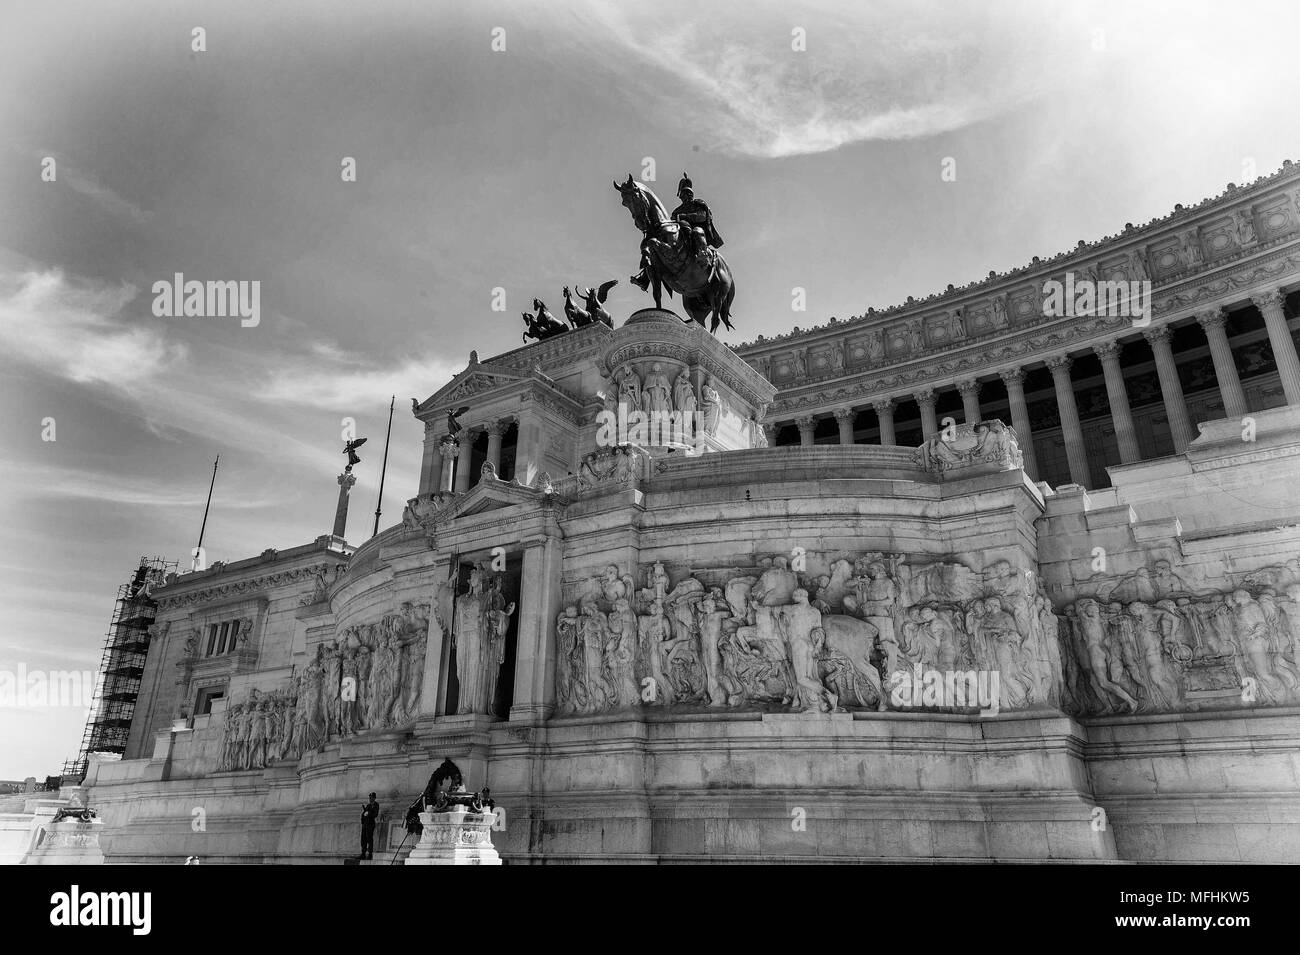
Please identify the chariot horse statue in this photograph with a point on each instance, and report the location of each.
(672, 255)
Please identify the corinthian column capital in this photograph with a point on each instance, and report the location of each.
(1158, 334)
(1108, 351)
(1212, 319)
(1271, 298)
(1012, 376)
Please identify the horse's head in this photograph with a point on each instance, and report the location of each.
(566, 292)
(647, 211)
(537, 305)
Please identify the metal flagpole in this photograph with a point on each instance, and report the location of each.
(379, 504)
(198, 548)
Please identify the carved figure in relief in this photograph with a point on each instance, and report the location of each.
(656, 393)
(1165, 691)
(1259, 649)
(569, 670)
(801, 627)
(620, 653)
(684, 398)
(875, 344)
(711, 406)
(1000, 319)
(593, 634)
(1092, 631)
(629, 390)
(655, 630)
(711, 617)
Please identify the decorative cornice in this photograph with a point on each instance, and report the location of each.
(240, 588)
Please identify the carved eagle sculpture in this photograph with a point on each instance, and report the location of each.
(596, 301)
(350, 449)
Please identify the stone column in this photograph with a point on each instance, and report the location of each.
(346, 480)
(925, 401)
(1075, 452)
(845, 417)
(495, 429)
(431, 466)
(885, 412)
(1015, 382)
(1225, 369)
(970, 400)
(539, 605)
(465, 454)
(448, 449)
(1171, 389)
(769, 432)
(1279, 336)
(806, 426)
(1117, 396)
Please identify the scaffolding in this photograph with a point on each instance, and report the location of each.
(121, 667)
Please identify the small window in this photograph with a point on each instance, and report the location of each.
(203, 706)
(212, 640)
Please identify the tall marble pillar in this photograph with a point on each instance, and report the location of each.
(1075, 452)
(1225, 368)
(466, 453)
(970, 400)
(1015, 382)
(539, 605)
(806, 426)
(448, 448)
(346, 480)
(1117, 396)
(845, 418)
(1171, 388)
(925, 401)
(495, 429)
(431, 466)
(885, 412)
(1279, 336)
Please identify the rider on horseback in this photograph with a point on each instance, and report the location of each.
(697, 231)
(696, 216)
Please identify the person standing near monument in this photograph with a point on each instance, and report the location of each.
(369, 816)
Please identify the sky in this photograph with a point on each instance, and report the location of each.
(486, 137)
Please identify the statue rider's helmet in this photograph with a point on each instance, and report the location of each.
(685, 192)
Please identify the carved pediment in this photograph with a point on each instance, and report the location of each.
(474, 380)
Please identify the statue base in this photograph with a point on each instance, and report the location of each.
(70, 842)
(456, 837)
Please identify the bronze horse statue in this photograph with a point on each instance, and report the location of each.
(671, 257)
(544, 325)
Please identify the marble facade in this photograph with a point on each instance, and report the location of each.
(752, 647)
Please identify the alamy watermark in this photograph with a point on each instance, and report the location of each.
(1086, 297)
(948, 689)
(24, 688)
(179, 298)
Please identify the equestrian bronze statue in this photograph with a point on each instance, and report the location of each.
(681, 252)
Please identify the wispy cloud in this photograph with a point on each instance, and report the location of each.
(87, 185)
(327, 377)
(113, 487)
(73, 330)
(785, 82)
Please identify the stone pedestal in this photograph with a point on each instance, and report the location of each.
(456, 837)
(69, 842)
